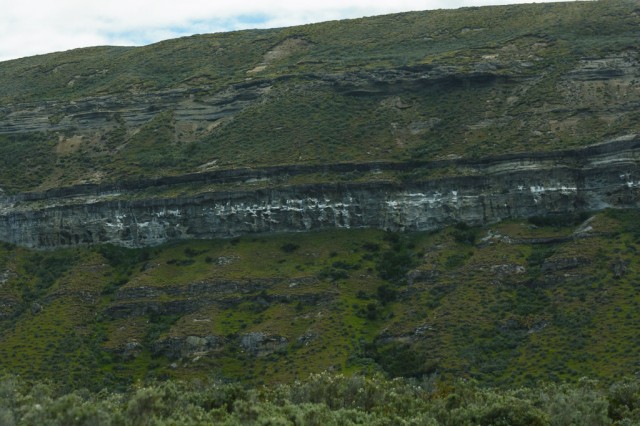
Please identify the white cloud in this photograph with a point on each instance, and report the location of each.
(29, 27)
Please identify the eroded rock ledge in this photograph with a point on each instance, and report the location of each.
(484, 191)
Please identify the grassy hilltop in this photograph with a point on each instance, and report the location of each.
(467, 83)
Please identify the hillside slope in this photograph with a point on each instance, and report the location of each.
(429, 85)
(544, 299)
(504, 138)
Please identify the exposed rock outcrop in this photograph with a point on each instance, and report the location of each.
(260, 344)
(134, 300)
(589, 179)
(189, 346)
(166, 129)
(190, 106)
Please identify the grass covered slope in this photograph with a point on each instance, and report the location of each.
(389, 41)
(513, 303)
(548, 299)
(422, 85)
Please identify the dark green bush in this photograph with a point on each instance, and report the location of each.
(324, 399)
(289, 247)
(386, 294)
(371, 247)
(48, 267)
(181, 262)
(393, 265)
(624, 400)
(464, 234)
(333, 274)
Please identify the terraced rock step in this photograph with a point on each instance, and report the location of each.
(492, 189)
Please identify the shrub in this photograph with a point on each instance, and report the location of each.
(393, 265)
(624, 400)
(582, 404)
(333, 274)
(323, 399)
(371, 247)
(464, 234)
(386, 294)
(289, 247)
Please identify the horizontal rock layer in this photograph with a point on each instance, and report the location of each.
(590, 179)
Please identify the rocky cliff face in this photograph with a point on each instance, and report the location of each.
(431, 120)
(493, 189)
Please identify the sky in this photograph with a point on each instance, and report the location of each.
(31, 27)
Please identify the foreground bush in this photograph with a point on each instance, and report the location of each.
(323, 399)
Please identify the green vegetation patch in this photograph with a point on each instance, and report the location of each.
(472, 83)
(512, 303)
(326, 398)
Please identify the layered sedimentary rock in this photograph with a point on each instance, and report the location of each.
(405, 122)
(590, 179)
